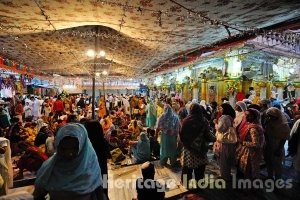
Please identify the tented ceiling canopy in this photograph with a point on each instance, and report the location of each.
(53, 36)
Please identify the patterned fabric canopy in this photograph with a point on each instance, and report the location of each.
(137, 35)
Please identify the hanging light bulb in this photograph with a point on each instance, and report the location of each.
(105, 72)
(90, 53)
(102, 53)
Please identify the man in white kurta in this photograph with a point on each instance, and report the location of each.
(126, 105)
(36, 109)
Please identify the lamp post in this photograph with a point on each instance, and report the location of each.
(93, 54)
(104, 73)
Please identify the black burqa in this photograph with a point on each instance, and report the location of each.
(100, 145)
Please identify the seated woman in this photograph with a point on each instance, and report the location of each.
(113, 140)
(73, 173)
(120, 117)
(117, 141)
(31, 160)
(141, 149)
(14, 135)
(42, 135)
(135, 129)
(107, 126)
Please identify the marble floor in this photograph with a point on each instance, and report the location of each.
(127, 171)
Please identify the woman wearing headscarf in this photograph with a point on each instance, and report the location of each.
(100, 145)
(169, 125)
(135, 128)
(151, 115)
(68, 104)
(250, 145)
(6, 169)
(277, 131)
(159, 107)
(294, 147)
(182, 113)
(206, 109)
(193, 127)
(102, 108)
(73, 173)
(141, 149)
(39, 124)
(107, 126)
(226, 151)
(42, 135)
(240, 109)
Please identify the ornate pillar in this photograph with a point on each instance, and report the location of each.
(204, 90)
(186, 92)
(261, 90)
(221, 90)
(245, 86)
(269, 88)
(279, 88)
(195, 90)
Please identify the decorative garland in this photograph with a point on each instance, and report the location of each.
(19, 68)
(232, 86)
(8, 82)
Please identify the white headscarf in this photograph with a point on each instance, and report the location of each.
(7, 163)
(203, 103)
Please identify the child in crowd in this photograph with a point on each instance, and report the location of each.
(147, 187)
(154, 145)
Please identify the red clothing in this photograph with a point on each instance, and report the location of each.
(32, 159)
(240, 96)
(58, 106)
(19, 109)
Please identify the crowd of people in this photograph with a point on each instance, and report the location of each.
(71, 147)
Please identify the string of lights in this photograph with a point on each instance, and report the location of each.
(35, 29)
(191, 14)
(45, 15)
(122, 22)
(286, 39)
(156, 53)
(105, 35)
(212, 21)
